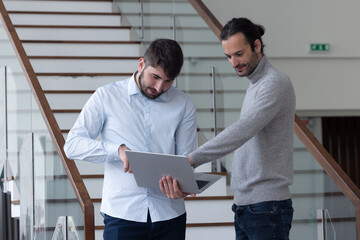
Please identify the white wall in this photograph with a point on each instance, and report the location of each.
(323, 81)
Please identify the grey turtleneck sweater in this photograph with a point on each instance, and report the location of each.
(262, 139)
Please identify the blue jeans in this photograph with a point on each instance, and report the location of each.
(263, 221)
(120, 229)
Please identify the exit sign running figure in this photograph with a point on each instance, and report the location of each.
(319, 47)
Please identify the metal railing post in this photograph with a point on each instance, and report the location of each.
(5, 136)
(65, 229)
(213, 78)
(173, 20)
(214, 99)
(141, 19)
(322, 224)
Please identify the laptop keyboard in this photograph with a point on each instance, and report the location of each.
(201, 183)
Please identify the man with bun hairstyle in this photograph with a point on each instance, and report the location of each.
(262, 140)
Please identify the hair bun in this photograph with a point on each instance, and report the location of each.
(261, 29)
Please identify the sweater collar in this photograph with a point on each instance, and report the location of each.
(259, 71)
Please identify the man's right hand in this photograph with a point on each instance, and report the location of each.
(191, 161)
(123, 158)
(171, 189)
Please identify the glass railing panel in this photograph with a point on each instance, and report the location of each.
(26, 182)
(18, 102)
(52, 193)
(314, 190)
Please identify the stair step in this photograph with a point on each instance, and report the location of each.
(79, 42)
(84, 65)
(165, 20)
(71, 26)
(84, 74)
(76, 34)
(82, 48)
(64, 18)
(157, 7)
(77, 82)
(88, 168)
(84, 57)
(61, 6)
(65, 13)
(203, 36)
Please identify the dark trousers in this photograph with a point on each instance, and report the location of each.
(120, 229)
(263, 221)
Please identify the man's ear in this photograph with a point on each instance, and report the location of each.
(141, 65)
(257, 46)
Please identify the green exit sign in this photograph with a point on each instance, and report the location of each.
(319, 47)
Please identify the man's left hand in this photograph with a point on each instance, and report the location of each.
(171, 189)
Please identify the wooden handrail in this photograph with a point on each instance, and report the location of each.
(331, 167)
(207, 16)
(53, 128)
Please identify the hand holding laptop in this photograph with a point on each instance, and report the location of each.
(122, 155)
(171, 189)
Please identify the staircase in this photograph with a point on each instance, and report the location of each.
(77, 46)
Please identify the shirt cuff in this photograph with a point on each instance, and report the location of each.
(194, 157)
(112, 150)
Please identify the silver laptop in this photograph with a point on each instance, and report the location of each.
(149, 168)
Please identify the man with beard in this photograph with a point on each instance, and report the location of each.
(262, 168)
(143, 113)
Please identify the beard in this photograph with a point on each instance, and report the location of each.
(143, 89)
(249, 67)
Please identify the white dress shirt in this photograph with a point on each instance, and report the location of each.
(121, 114)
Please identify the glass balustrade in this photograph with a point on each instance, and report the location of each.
(313, 191)
(45, 190)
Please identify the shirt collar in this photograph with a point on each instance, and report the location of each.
(134, 89)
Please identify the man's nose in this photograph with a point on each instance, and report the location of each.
(233, 62)
(159, 86)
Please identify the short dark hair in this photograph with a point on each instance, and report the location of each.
(250, 30)
(167, 54)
